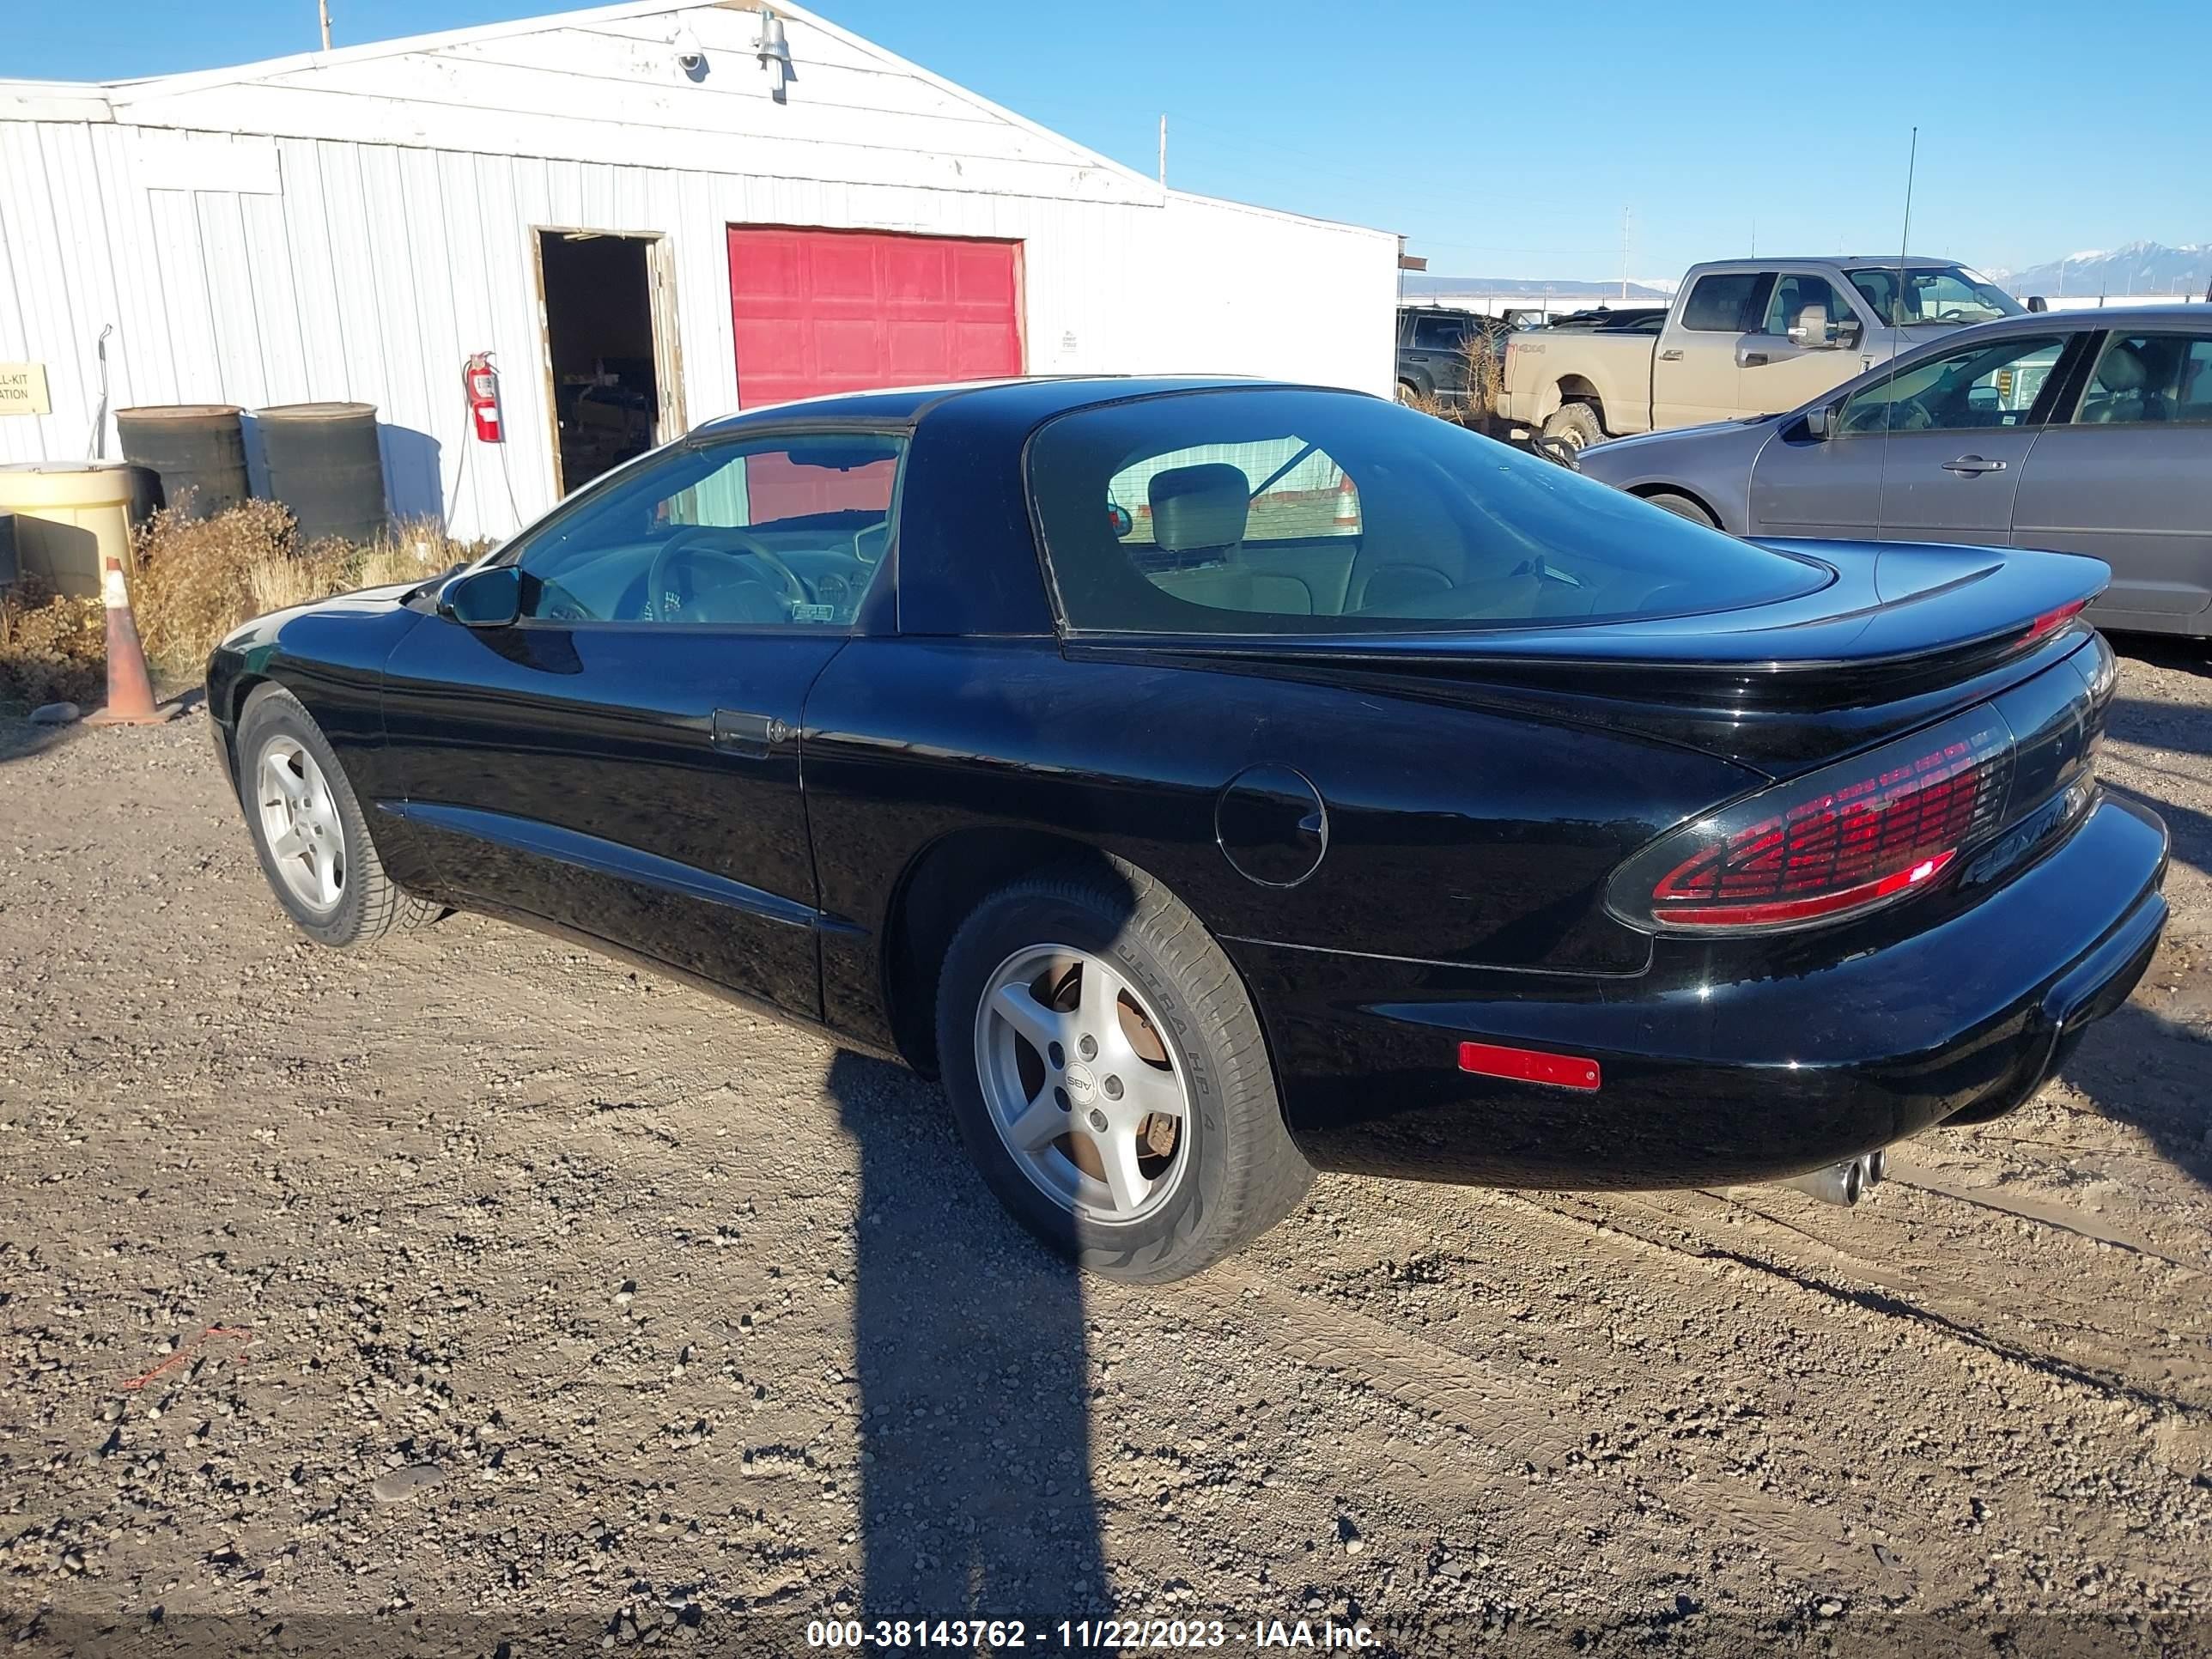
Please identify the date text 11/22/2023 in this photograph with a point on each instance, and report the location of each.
(1085, 1635)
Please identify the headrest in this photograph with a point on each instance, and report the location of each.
(2122, 370)
(1198, 506)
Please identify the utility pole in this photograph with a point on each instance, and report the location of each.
(325, 6)
(1163, 152)
(1624, 253)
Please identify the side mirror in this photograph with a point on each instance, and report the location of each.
(2037, 302)
(1820, 421)
(482, 598)
(1810, 330)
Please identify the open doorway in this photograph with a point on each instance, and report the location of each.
(609, 350)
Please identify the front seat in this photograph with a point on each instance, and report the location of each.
(1199, 516)
(2121, 391)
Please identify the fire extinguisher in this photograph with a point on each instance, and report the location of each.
(480, 382)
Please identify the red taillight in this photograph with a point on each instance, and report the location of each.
(1843, 841)
(2051, 621)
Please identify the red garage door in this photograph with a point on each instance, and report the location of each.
(820, 311)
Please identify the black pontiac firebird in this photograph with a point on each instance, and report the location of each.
(1212, 781)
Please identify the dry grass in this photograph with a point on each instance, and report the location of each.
(199, 578)
(53, 649)
(1486, 376)
(1427, 403)
(196, 579)
(1485, 380)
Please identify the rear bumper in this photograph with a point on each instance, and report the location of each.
(1706, 1081)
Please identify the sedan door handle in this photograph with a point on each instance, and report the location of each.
(1670, 357)
(1971, 465)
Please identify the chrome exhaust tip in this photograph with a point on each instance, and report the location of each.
(1847, 1183)
(1841, 1183)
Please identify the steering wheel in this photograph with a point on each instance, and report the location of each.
(657, 608)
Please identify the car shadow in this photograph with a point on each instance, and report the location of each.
(2146, 1071)
(970, 1341)
(2185, 656)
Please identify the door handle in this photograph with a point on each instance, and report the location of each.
(1973, 465)
(1754, 359)
(736, 731)
(1670, 357)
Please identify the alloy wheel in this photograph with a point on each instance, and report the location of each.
(1080, 1085)
(299, 823)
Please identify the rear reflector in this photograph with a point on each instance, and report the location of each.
(1529, 1065)
(1854, 836)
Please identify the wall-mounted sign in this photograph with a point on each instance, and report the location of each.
(23, 389)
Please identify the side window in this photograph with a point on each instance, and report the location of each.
(1439, 333)
(1719, 304)
(1189, 508)
(772, 530)
(1793, 294)
(1992, 385)
(2149, 378)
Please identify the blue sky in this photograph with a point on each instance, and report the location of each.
(1502, 140)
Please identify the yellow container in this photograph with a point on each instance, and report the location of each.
(71, 517)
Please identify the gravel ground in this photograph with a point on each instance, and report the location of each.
(474, 1294)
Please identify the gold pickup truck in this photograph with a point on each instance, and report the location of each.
(1743, 338)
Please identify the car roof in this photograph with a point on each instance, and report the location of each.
(1036, 397)
(2199, 315)
(2192, 318)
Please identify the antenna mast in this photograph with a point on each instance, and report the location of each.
(1896, 341)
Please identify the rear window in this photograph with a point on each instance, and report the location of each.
(1292, 511)
(1717, 304)
(1325, 512)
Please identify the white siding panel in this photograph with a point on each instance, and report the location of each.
(141, 357)
(43, 328)
(275, 303)
(184, 296)
(232, 317)
(353, 275)
(321, 320)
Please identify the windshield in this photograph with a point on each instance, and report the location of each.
(1933, 295)
(1302, 512)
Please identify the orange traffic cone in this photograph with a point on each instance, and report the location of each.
(130, 689)
(1347, 504)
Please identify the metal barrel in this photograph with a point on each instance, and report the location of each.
(197, 450)
(324, 463)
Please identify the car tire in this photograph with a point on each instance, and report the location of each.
(1410, 395)
(1181, 1025)
(1683, 507)
(308, 829)
(1574, 427)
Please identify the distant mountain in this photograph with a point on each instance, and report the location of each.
(2138, 267)
(1420, 285)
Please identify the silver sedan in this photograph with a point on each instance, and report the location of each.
(2082, 432)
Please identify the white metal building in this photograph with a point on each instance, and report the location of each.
(647, 212)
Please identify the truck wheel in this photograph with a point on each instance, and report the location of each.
(1683, 507)
(1574, 427)
(1409, 394)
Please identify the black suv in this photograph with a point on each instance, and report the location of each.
(1432, 352)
